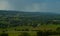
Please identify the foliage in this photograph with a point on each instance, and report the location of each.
(24, 34)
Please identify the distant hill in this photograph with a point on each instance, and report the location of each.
(9, 12)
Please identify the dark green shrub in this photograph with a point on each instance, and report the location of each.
(17, 29)
(4, 34)
(24, 34)
(26, 29)
(41, 33)
(3, 31)
(23, 30)
(58, 29)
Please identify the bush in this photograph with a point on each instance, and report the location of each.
(41, 33)
(23, 30)
(58, 29)
(17, 29)
(3, 31)
(24, 34)
(4, 34)
(26, 29)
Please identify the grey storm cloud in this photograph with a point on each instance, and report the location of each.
(30, 5)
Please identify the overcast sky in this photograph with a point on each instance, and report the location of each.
(31, 5)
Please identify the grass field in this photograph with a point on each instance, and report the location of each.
(12, 31)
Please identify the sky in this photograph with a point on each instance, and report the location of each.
(31, 5)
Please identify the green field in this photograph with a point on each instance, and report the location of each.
(17, 31)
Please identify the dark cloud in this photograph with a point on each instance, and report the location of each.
(32, 5)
